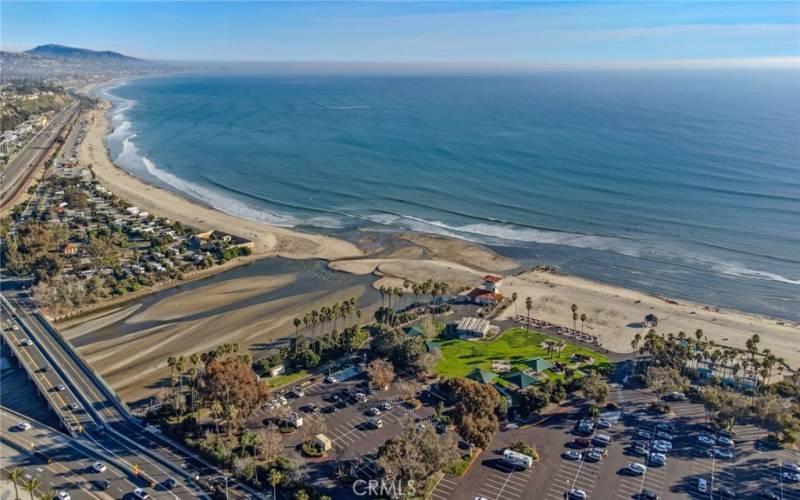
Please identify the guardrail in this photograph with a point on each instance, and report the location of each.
(12, 344)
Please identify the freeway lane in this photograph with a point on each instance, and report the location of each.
(71, 467)
(15, 173)
(118, 446)
(98, 402)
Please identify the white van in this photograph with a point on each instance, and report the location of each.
(518, 459)
(601, 440)
(702, 485)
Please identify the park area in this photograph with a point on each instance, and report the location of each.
(519, 347)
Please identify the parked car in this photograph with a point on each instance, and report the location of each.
(140, 493)
(26, 342)
(723, 453)
(792, 477)
(572, 455)
(98, 467)
(593, 456)
(386, 406)
(636, 469)
(74, 406)
(644, 434)
(658, 459)
(23, 426)
(648, 495)
(725, 441)
(309, 408)
(604, 424)
(677, 396)
(102, 484)
(63, 495)
(769, 494)
(726, 492)
(791, 466)
(583, 442)
(663, 435)
(705, 440)
(170, 483)
(702, 485)
(373, 412)
(60, 387)
(640, 451)
(576, 494)
(704, 452)
(665, 445)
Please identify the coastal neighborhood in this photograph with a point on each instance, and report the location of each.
(399, 251)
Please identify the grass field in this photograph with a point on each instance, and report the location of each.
(288, 378)
(459, 357)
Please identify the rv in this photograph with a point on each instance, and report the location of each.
(518, 459)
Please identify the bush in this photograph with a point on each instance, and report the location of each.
(310, 450)
(525, 449)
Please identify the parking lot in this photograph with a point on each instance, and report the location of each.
(747, 473)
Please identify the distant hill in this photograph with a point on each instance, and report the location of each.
(63, 52)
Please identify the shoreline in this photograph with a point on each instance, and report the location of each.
(421, 256)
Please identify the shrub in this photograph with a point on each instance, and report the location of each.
(525, 449)
(310, 450)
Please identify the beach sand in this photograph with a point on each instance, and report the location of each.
(269, 240)
(614, 314)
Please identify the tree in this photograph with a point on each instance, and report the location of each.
(381, 373)
(415, 455)
(301, 495)
(297, 322)
(14, 476)
(30, 485)
(232, 383)
(514, 297)
(274, 477)
(533, 400)
(271, 443)
(664, 380)
(477, 410)
(528, 307)
(583, 320)
(595, 387)
(574, 309)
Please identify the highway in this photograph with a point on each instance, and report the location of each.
(105, 420)
(59, 462)
(18, 169)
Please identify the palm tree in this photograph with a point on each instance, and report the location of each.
(297, 322)
(528, 306)
(30, 486)
(14, 476)
(514, 297)
(637, 340)
(583, 318)
(301, 495)
(574, 309)
(48, 495)
(275, 477)
(180, 366)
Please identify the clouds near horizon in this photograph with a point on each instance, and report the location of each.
(569, 34)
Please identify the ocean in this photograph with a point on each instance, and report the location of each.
(684, 184)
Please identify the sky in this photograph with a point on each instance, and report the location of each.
(569, 33)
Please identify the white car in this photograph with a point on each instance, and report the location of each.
(791, 466)
(792, 477)
(705, 440)
(23, 426)
(636, 468)
(373, 412)
(63, 495)
(576, 494)
(725, 441)
(60, 387)
(140, 493)
(572, 455)
(14, 327)
(299, 393)
(662, 445)
(386, 406)
(644, 434)
(723, 453)
(26, 342)
(663, 435)
(98, 467)
(702, 485)
(658, 458)
(283, 401)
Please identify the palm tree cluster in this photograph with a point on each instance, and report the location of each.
(346, 311)
(423, 294)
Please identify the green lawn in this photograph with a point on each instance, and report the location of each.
(287, 378)
(459, 357)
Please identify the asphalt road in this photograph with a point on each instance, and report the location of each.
(17, 169)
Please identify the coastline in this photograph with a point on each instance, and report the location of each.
(412, 256)
(268, 240)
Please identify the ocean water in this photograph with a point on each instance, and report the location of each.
(685, 184)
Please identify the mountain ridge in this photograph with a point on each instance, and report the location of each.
(58, 51)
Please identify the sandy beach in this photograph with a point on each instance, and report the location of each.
(614, 314)
(269, 240)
